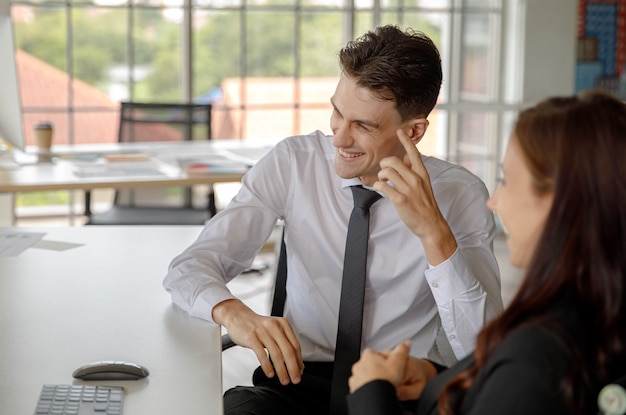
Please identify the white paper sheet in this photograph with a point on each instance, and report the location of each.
(14, 243)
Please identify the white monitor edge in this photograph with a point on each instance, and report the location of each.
(11, 129)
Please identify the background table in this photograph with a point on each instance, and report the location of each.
(30, 175)
(104, 301)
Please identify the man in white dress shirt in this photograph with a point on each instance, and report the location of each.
(431, 272)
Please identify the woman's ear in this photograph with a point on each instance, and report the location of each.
(418, 127)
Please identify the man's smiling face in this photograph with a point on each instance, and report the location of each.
(364, 129)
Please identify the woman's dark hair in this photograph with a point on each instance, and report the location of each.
(404, 67)
(574, 147)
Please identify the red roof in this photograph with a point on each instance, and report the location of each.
(44, 89)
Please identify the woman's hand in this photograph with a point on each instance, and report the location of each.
(387, 365)
(417, 373)
(407, 374)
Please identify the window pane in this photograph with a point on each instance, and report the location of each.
(217, 3)
(315, 119)
(272, 123)
(41, 52)
(156, 3)
(482, 3)
(431, 4)
(95, 2)
(269, 91)
(270, 44)
(429, 23)
(97, 126)
(434, 142)
(264, 3)
(268, 67)
(476, 135)
(227, 120)
(98, 51)
(322, 38)
(217, 47)
(315, 110)
(474, 129)
(363, 21)
(364, 4)
(479, 74)
(58, 120)
(34, 201)
(157, 51)
(270, 78)
(316, 92)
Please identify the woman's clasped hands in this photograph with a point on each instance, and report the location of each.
(408, 375)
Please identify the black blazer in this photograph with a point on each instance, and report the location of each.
(521, 377)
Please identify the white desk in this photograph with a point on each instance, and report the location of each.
(104, 301)
(60, 175)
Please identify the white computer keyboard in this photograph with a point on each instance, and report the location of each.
(80, 400)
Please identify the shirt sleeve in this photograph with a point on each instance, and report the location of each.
(197, 278)
(466, 286)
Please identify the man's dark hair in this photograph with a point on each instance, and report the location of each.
(404, 67)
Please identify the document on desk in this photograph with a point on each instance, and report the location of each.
(211, 164)
(247, 155)
(14, 243)
(122, 168)
(56, 245)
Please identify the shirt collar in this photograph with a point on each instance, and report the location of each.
(345, 183)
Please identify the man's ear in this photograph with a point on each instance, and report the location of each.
(418, 127)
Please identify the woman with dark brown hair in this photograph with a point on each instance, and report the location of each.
(562, 202)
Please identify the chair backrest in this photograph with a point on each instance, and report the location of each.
(280, 285)
(140, 121)
(160, 122)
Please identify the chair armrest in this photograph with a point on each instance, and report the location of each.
(87, 203)
(227, 343)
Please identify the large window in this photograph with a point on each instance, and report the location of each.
(269, 66)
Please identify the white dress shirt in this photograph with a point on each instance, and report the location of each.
(405, 297)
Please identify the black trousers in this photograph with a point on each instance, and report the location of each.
(268, 397)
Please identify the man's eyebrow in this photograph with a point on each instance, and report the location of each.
(369, 123)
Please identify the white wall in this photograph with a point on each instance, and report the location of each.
(549, 48)
(539, 49)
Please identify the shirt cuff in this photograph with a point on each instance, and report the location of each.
(452, 277)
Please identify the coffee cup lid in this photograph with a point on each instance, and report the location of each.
(43, 124)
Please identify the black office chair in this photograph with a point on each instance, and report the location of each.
(173, 205)
(280, 291)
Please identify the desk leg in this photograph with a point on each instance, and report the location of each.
(87, 203)
(7, 209)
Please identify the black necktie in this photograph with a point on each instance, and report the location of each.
(348, 346)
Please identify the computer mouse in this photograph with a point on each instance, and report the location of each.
(111, 370)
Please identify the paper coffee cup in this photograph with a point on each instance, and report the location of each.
(43, 136)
